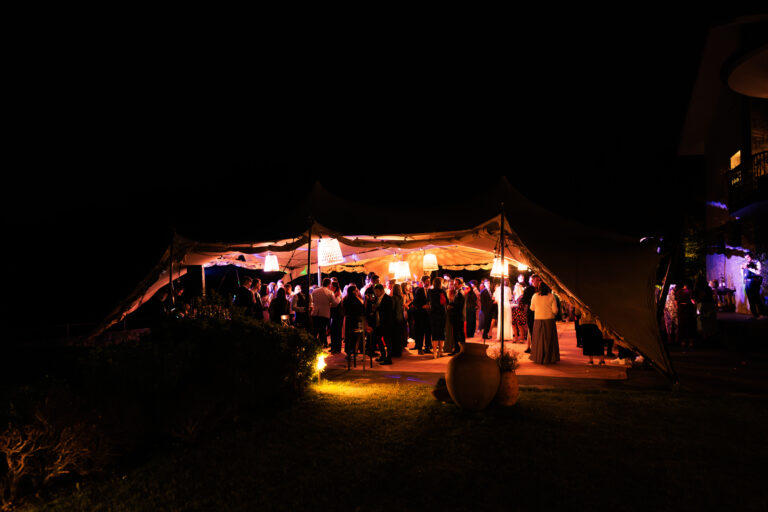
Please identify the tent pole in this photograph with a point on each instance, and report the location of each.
(501, 296)
(170, 274)
(202, 275)
(309, 260)
(319, 272)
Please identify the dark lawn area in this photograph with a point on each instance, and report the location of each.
(346, 446)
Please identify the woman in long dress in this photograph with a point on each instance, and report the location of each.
(506, 303)
(545, 348)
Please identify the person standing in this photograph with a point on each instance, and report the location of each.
(354, 311)
(244, 297)
(457, 317)
(336, 319)
(279, 307)
(753, 280)
(300, 308)
(398, 321)
(437, 300)
(506, 303)
(486, 304)
(258, 305)
(409, 312)
(322, 301)
(423, 331)
(384, 318)
(449, 344)
(670, 316)
(525, 302)
(592, 343)
(686, 314)
(545, 348)
(471, 300)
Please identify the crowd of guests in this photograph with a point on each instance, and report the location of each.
(690, 312)
(438, 313)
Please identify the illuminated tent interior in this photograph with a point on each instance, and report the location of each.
(611, 275)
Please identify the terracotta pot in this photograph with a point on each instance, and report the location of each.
(473, 377)
(509, 389)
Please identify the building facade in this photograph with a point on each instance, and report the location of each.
(727, 125)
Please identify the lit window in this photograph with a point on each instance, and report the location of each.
(736, 159)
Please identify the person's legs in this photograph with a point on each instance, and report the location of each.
(756, 305)
(471, 325)
(320, 325)
(427, 334)
(458, 336)
(487, 325)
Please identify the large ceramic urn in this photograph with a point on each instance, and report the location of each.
(472, 377)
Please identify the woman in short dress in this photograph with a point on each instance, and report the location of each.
(437, 300)
(544, 347)
(519, 312)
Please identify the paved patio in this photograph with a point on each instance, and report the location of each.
(412, 367)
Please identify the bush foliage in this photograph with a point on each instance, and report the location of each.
(190, 378)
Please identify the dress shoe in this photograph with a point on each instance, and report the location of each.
(427, 351)
(421, 352)
(386, 361)
(527, 351)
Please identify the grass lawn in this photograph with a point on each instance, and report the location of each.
(390, 447)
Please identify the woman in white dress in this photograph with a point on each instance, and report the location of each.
(506, 303)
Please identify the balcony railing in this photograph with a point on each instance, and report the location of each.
(748, 182)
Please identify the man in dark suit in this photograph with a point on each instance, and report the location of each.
(486, 304)
(244, 296)
(258, 306)
(423, 334)
(471, 297)
(385, 322)
(457, 317)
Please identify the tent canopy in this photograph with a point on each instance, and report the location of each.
(611, 275)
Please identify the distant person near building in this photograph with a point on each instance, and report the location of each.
(753, 280)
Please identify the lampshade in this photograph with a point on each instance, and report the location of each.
(500, 268)
(271, 264)
(402, 271)
(329, 252)
(430, 263)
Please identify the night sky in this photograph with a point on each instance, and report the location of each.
(582, 115)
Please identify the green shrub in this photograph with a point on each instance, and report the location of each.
(190, 377)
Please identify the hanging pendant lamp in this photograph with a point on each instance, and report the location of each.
(430, 263)
(270, 263)
(329, 252)
(500, 268)
(402, 271)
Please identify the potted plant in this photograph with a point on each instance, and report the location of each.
(509, 390)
